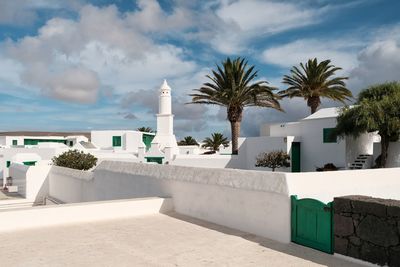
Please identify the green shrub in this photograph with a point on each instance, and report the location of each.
(273, 160)
(75, 159)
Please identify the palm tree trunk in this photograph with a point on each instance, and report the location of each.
(235, 129)
(313, 102)
(384, 151)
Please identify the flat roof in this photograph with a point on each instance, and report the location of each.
(42, 134)
(154, 240)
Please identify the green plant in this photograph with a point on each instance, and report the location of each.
(145, 129)
(188, 141)
(232, 86)
(377, 109)
(274, 159)
(314, 81)
(75, 159)
(216, 140)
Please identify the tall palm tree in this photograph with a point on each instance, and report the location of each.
(188, 141)
(145, 129)
(315, 80)
(216, 140)
(232, 86)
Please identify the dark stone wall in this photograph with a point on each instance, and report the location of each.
(368, 229)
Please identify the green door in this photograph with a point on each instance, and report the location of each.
(296, 157)
(312, 223)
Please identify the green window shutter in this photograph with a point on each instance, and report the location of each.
(329, 136)
(14, 142)
(8, 163)
(116, 141)
(29, 163)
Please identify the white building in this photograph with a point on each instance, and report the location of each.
(314, 144)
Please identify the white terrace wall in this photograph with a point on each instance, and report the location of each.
(251, 201)
(245, 200)
(32, 181)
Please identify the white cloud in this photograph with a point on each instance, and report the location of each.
(105, 45)
(379, 62)
(24, 12)
(342, 53)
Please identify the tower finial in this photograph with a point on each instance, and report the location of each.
(165, 85)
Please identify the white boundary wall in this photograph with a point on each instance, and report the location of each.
(46, 216)
(32, 181)
(244, 200)
(252, 201)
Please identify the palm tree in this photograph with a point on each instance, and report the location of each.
(216, 140)
(377, 109)
(145, 129)
(188, 141)
(313, 81)
(232, 86)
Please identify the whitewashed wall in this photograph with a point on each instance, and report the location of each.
(316, 153)
(245, 200)
(32, 181)
(252, 201)
(364, 144)
(324, 186)
(130, 139)
(208, 161)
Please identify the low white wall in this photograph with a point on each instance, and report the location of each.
(46, 216)
(32, 181)
(252, 201)
(324, 186)
(245, 200)
(208, 161)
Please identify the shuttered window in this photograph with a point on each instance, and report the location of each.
(116, 141)
(329, 135)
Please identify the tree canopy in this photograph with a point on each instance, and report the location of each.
(75, 159)
(232, 85)
(377, 110)
(314, 81)
(216, 140)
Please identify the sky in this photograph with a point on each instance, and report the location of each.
(82, 65)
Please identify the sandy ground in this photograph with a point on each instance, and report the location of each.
(155, 240)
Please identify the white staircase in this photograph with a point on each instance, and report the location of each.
(363, 161)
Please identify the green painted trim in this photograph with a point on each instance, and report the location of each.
(147, 139)
(29, 163)
(158, 160)
(37, 141)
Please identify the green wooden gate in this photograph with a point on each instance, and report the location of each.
(312, 223)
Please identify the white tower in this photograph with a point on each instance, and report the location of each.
(165, 121)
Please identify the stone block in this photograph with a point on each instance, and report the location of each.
(341, 245)
(355, 240)
(341, 204)
(394, 257)
(373, 208)
(374, 254)
(393, 211)
(377, 231)
(343, 226)
(353, 251)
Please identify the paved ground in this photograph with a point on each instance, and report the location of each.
(156, 240)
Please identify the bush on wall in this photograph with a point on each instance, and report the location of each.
(75, 159)
(273, 160)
